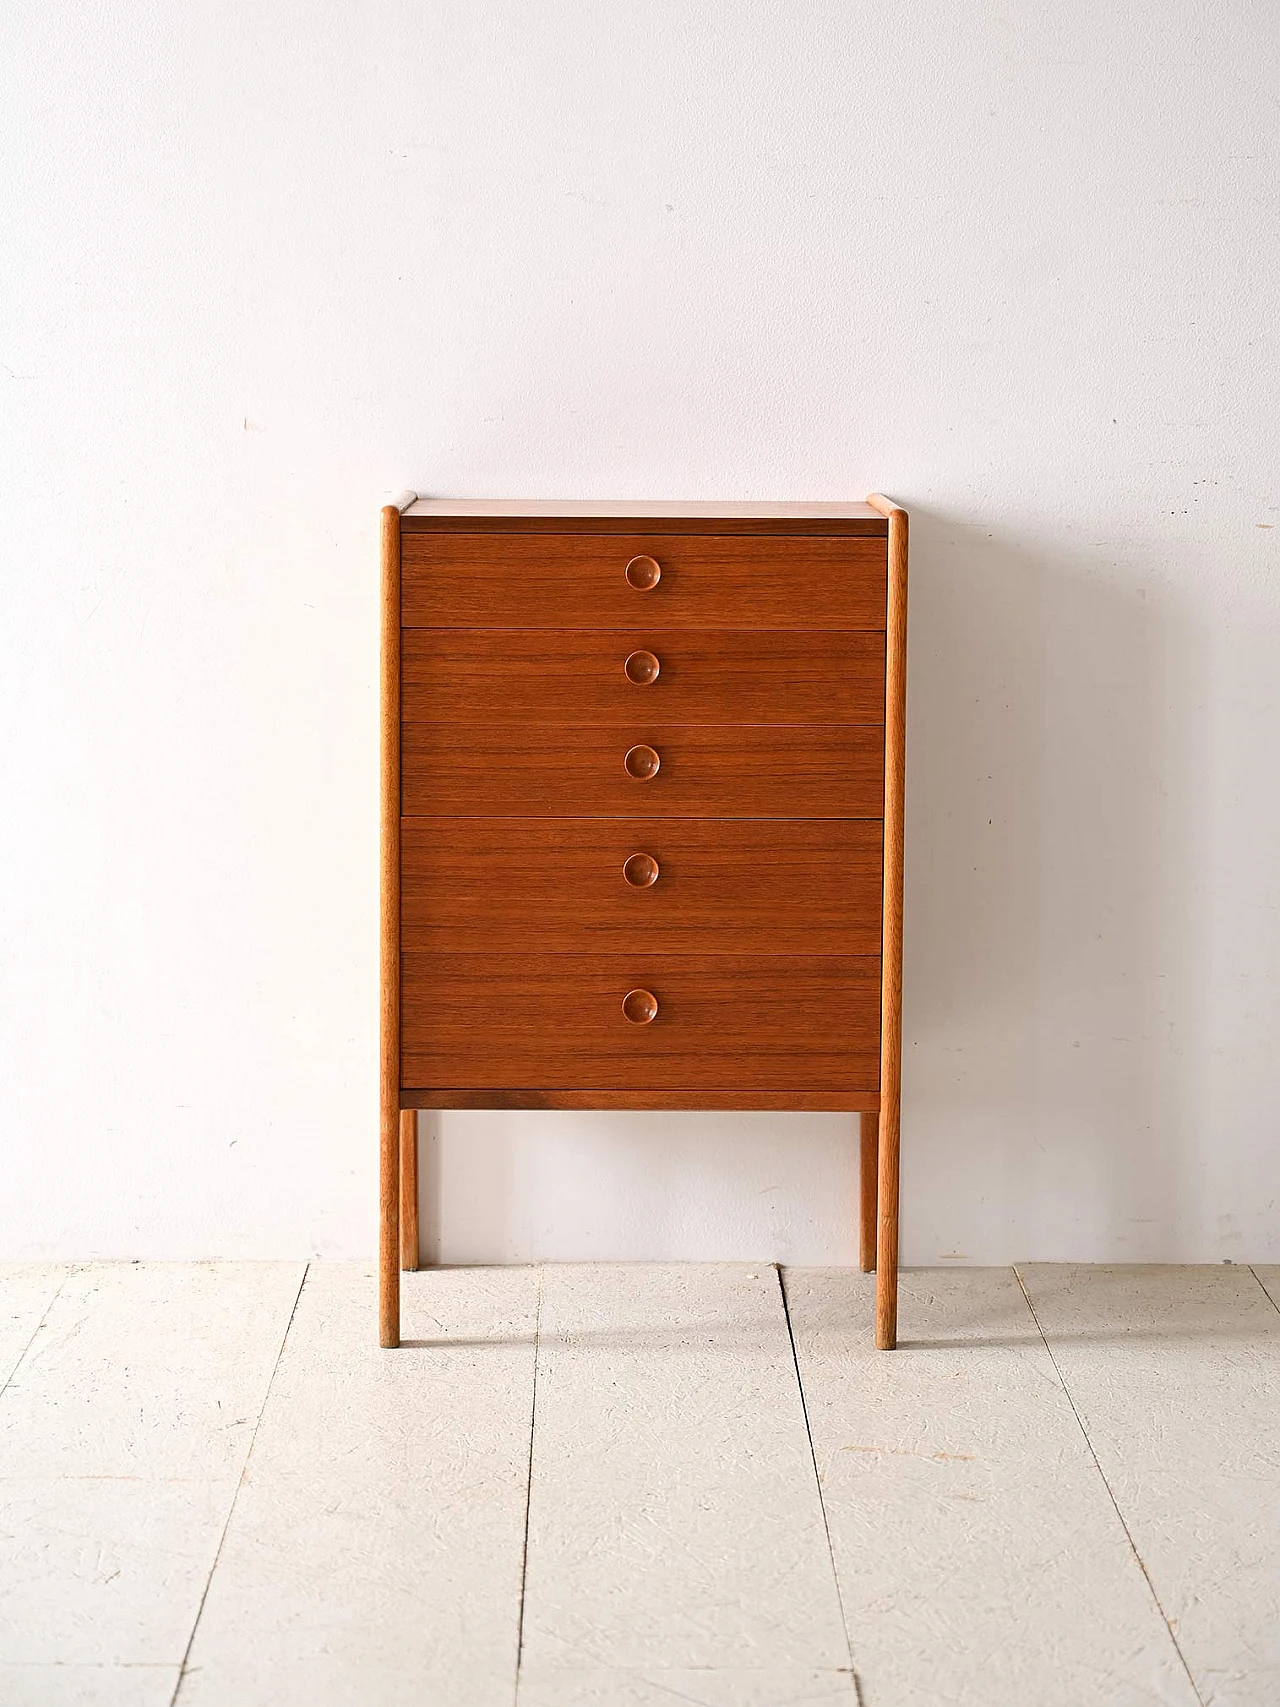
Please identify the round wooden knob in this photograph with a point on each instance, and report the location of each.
(641, 763)
(643, 573)
(640, 1006)
(640, 870)
(642, 668)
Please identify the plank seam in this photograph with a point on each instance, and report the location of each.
(1262, 1283)
(1133, 1547)
(244, 1470)
(22, 1355)
(817, 1479)
(528, 1490)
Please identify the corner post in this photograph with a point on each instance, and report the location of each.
(389, 1066)
(895, 740)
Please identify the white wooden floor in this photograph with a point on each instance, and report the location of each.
(638, 1485)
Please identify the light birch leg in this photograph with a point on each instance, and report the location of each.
(389, 1074)
(887, 1229)
(895, 736)
(409, 1254)
(389, 1227)
(868, 1192)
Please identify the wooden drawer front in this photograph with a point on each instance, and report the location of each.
(735, 1022)
(525, 675)
(458, 580)
(576, 770)
(750, 885)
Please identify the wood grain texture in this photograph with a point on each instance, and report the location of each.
(596, 515)
(526, 675)
(768, 1023)
(389, 1071)
(895, 744)
(707, 770)
(409, 1251)
(868, 1188)
(738, 885)
(456, 580)
(810, 1102)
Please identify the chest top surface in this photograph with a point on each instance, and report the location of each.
(621, 515)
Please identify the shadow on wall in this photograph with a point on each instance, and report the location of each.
(516, 1186)
(1051, 1035)
(1053, 1047)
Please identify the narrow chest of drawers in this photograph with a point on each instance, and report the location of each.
(642, 821)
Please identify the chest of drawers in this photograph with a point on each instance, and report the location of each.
(642, 773)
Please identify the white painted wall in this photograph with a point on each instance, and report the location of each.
(264, 265)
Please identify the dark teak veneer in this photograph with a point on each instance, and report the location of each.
(642, 780)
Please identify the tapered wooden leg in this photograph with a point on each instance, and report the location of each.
(895, 738)
(868, 1192)
(887, 1230)
(389, 960)
(409, 1188)
(389, 1227)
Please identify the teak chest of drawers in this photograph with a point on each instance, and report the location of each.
(642, 823)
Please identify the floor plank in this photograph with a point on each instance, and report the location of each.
(27, 1289)
(720, 1686)
(373, 1557)
(674, 1521)
(122, 1436)
(87, 1685)
(149, 1370)
(1176, 1376)
(677, 1546)
(980, 1560)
